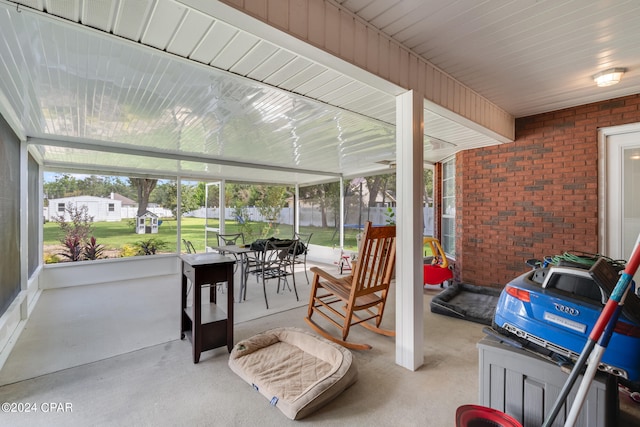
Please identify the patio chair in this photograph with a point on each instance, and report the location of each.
(228, 240)
(359, 298)
(276, 261)
(188, 246)
(191, 250)
(300, 257)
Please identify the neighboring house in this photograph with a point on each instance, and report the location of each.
(130, 207)
(125, 201)
(116, 208)
(101, 209)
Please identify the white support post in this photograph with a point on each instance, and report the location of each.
(24, 227)
(178, 214)
(409, 227)
(296, 209)
(341, 213)
(223, 207)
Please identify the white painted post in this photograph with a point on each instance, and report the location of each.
(223, 208)
(409, 272)
(341, 214)
(296, 209)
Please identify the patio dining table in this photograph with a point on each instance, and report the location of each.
(242, 252)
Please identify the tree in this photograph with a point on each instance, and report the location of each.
(379, 184)
(199, 193)
(115, 184)
(166, 194)
(144, 187)
(240, 194)
(428, 186)
(65, 185)
(94, 185)
(189, 198)
(328, 198)
(270, 204)
(353, 198)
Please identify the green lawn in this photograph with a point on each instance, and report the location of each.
(114, 235)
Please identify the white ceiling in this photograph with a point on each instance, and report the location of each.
(526, 56)
(160, 88)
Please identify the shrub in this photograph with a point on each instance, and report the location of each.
(51, 259)
(241, 215)
(92, 250)
(150, 246)
(128, 251)
(76, 241)
(390, 216)
(73, 248)
(79, 225)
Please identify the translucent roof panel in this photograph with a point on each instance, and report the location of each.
(66, 85)
(73, 84)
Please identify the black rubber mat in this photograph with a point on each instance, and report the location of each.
(468, 302)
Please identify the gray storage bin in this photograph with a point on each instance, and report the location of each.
(526, 386)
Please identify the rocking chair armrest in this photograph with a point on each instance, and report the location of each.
(327, 276)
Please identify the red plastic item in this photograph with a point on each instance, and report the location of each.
(481, 416)
(436, 275)
(438, 271)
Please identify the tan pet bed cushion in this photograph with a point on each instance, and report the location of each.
(297, 371)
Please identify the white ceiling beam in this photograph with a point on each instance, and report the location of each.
(170, 155)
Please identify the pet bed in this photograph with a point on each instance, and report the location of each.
(468, 302)
(297, 371)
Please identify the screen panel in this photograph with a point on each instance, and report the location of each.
(34, 215)
(9, 216)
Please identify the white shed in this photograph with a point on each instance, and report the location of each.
(101, 209)
(147, 223)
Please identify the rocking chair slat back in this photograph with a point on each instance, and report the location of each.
(358, 299)
(376, 261)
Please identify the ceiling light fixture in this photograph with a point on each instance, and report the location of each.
(609, 77)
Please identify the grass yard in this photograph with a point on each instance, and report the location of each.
(115, 235)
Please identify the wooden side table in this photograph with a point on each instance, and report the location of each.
(208, 325)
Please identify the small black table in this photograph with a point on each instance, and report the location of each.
(208, 325)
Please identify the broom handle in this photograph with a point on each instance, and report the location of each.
(609, 309)
(592, 367)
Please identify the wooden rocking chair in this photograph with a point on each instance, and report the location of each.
(358, 298)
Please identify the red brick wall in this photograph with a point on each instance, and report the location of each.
(536, 196)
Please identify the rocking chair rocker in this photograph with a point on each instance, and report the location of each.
(360, 297)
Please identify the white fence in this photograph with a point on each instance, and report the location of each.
(313, 217)
(131, 212)
(124, 212)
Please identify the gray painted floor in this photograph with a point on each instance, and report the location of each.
(110, 355)
(83, 324)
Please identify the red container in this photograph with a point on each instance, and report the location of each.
(481, 416)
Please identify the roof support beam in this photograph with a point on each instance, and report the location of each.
(146, 152)
(409, 228)
(322, 31)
